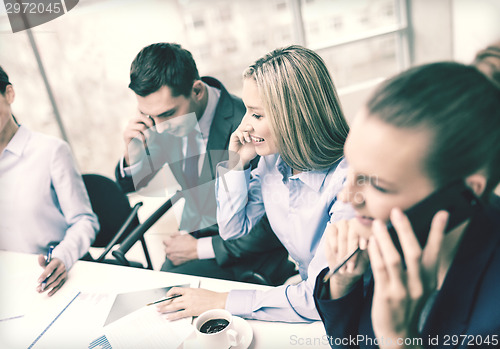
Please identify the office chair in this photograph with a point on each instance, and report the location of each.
(116, 218)
(140, 230)
(284, 270)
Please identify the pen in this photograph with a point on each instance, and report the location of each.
(148, 154)
(165, 299)
(340, 265)
(48, 258)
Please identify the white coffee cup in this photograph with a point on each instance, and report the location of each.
(220, 323)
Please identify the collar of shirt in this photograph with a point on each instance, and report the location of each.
(18, 142)
(202, 128)
(206, 119)
(313, 179)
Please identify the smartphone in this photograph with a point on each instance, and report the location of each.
(456, 198)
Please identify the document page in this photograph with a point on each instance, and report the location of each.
(18, 289)
(146, 328)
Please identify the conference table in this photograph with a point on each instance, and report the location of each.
(32, 320)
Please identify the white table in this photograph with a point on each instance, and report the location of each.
(104, 278)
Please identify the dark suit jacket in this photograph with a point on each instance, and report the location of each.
(467, 304)
(200, 207)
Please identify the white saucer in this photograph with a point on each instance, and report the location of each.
(240, 325)
(244, 330)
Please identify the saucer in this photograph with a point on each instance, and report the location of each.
(245, 332)
(240, 325)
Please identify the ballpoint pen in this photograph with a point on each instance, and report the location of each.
(148, 154)
(340, 265)
(48, 258)
(165, 299)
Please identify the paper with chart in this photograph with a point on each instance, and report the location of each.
(146, 328)
(67, 317)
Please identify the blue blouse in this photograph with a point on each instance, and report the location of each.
(298, 208)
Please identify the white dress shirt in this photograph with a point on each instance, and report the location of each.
(298, 207)
(43, 199)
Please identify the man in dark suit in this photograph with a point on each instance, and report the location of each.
(186, 122)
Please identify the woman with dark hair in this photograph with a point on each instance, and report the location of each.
(44, 201)
(422, 130)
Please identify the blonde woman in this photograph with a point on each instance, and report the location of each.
(295, 123)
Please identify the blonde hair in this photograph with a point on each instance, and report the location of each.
(300, 100)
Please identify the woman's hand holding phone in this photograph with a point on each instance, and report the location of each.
(241, 148)
(401, 292)
(341, 239)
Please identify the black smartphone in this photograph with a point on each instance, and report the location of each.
(456, 198)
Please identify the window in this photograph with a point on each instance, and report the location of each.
(360, 40)
(198, 21)
(225, 14)
(281, 5)
(89, 76)
(337, 23)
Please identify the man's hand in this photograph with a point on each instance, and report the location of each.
(138, 128)
(181, 248)
(55, 273)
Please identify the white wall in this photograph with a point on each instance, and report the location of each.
(476, 23)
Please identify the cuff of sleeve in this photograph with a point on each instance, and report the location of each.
(130, 170)
(59, 253)
(239, 302)
(231, 181)
(204, 248)
(123, 174)
(322, 291)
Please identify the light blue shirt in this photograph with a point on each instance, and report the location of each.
(298, 208)
(43, 199)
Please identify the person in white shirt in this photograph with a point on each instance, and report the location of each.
(44, 201)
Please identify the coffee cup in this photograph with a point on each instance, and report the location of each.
(215, 330)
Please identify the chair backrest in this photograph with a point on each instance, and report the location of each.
(110, 205)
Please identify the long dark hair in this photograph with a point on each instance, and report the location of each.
(4, 81)
(461, 108)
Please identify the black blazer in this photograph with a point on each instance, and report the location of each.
(467, 303)
(200, 207)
